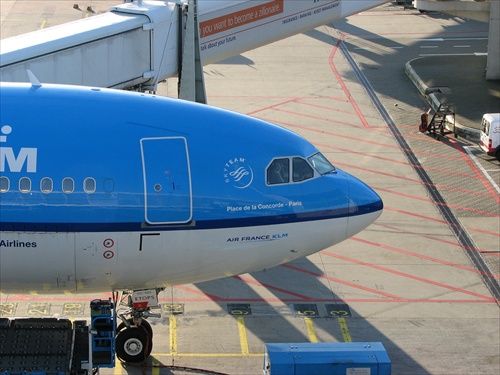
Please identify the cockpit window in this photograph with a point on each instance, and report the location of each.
(278, 172)
(321, 164)
(301, 170)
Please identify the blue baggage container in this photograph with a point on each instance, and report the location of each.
(334, 358)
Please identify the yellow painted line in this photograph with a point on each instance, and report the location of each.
(118, 367)
(42, 26)
(201, 355)
(345, 330)
(311, 331)
(173, 334)
(243, 335)
(155, 370)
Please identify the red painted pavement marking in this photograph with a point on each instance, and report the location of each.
(296, 99)
(431, 201)
(421, 256)
(496, 234)
(333, 109)
(268, 286)
(319, 275)
(342, 83)
(318, 118)
(14, 298)
(409, 276)
(429, 237)
(199, 292)
(364, 154)
(358, 140)
(474, 168)
(439, 186)
(273, 106)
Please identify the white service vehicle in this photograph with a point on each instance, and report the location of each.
(490, 134)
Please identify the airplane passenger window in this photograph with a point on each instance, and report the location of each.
(301, 170)
(4, 184)
(68, 185)
(25, 185)
(46, 185)
(278, 172)
(89, 185)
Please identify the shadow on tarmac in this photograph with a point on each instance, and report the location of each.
(298, 287)
(461, 77)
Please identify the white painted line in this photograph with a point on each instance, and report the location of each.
(451, 39)
(483, 171)
(454, 54)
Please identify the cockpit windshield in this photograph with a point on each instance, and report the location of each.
(321, 164)
(291, 170)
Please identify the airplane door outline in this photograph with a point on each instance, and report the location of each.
(167, 180)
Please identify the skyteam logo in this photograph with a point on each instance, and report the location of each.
(14, 161)
(238, 173)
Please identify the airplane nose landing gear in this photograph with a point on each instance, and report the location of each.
(133, 344)
(134, 336)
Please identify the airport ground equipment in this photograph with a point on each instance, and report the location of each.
(442, 122)
(50, 346)
(361, 358)
(103, 333)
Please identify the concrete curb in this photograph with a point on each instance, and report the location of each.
(427, 92)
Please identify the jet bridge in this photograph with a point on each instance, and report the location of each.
(132, 45)
(138, 44)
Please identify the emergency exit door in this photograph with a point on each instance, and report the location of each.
(167, 180)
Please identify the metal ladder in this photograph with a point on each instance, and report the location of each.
(443, 119)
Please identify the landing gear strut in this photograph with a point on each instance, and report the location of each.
(134, 335)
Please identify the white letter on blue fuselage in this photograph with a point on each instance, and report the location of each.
(15, 164)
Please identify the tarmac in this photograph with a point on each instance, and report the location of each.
(458, 81)
(407, 281)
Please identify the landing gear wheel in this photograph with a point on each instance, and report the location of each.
(133, 344)
(144, 323)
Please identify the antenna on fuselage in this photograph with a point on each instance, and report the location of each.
(34, 81)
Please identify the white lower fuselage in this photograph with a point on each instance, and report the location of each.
(97, 262)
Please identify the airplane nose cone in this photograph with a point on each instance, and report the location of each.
(365, 206)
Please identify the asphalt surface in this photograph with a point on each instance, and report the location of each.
(459, 82)
(423, 280)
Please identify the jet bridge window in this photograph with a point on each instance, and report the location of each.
(4, 184)
(278, 172)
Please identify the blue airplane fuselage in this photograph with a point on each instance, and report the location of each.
(95, 162)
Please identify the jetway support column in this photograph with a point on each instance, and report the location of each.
(479, 10)
(493, 61)
(191, 81)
